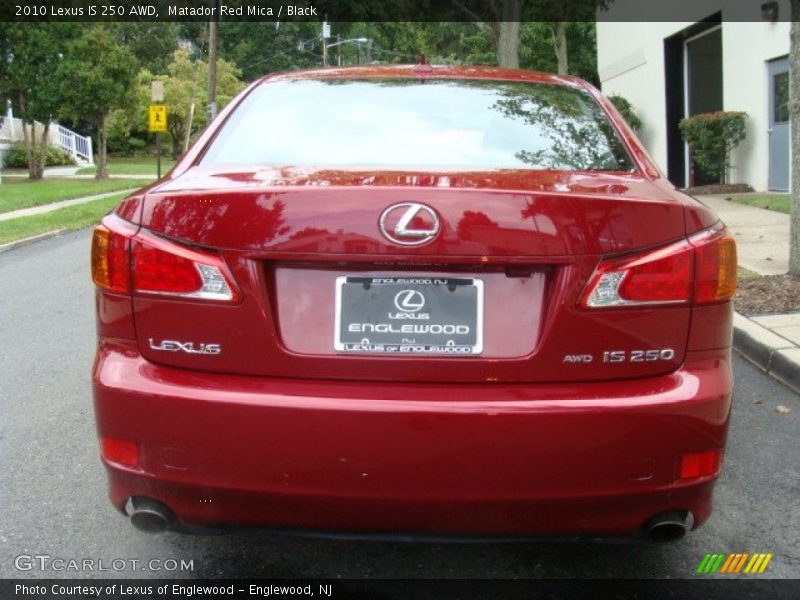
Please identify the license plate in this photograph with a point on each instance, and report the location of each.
(409, 315)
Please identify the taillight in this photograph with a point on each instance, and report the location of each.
(111, 255)
(701, 269)
(124, 261)
(715, 257)
(164, 268)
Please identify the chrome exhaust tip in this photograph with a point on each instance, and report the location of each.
(669, 526)
(149, 515)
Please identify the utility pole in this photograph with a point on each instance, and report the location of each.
(339, 49)
(326, 33)
(213, 35)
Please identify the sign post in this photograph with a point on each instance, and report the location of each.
(157, 118)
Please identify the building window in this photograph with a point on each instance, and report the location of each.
(781, 97)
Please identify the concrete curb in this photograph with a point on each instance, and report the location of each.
(30, 240)
(773, 354)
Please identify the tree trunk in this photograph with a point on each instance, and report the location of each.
(508, 35)
(101, 171)
(508, 45)
(29, 148)
(560, 47)
(212, 65)
(794, 118)
(40, 154)
(176, 145)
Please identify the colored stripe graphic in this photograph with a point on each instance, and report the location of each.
(734, 562)
(703, 563)
(740, 564)
(711, 563)
(729, 562)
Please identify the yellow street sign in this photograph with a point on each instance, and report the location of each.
(157, 117)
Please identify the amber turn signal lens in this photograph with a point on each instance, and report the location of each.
(715, 260)
(110, 260)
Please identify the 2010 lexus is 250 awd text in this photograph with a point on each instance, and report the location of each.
(418, 300)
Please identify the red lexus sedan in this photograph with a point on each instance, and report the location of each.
(417, 300)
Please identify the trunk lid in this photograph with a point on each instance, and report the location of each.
(532, 238)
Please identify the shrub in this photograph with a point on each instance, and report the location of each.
(711, 137)
(17, 158)
(126, 145)
(625, 108)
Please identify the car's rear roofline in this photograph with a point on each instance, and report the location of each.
(436, 72)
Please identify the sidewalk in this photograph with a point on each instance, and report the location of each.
(72, 173)
(772, 342)
(762, 236)
(46, 208)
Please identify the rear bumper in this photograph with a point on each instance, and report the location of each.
(489, 459)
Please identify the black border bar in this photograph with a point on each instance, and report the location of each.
(389, 10)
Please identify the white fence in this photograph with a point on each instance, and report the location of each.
(78, 146)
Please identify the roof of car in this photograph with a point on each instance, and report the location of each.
(425, 71)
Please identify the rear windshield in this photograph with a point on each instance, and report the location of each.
(410, 124)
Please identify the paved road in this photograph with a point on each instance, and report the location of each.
(52, 495)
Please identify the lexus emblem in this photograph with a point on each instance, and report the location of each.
(409, 301)
(409, 224)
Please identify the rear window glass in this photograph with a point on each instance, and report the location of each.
(409, 124)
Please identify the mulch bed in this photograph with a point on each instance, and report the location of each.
(769, 294)
(720, 188)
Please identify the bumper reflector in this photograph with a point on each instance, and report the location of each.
(121, 452)
(700, 464)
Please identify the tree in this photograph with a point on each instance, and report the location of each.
(558, 15)
(97, 74)
(561, 16)
(794, 120)
(503, 32)
(185, 90)
(536, 48)
(152, 43)
(29, 60)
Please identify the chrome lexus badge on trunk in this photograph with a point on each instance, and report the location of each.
(409, 224)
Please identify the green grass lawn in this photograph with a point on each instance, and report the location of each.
(776, 202)
(21, 192)
(72, 217)
(140, 165)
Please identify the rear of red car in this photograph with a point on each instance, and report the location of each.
(382, 301)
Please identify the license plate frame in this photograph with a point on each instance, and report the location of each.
(392, 311)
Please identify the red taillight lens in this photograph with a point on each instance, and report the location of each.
(700, 464)
(663, 276)
(124, 261)
(121, 452)
(701, 269)
(155, 270)
(110, 268)
(163, 267)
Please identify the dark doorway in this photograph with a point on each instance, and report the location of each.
(703, 85)
(693, 73)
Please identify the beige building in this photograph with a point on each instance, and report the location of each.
(721, 60)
